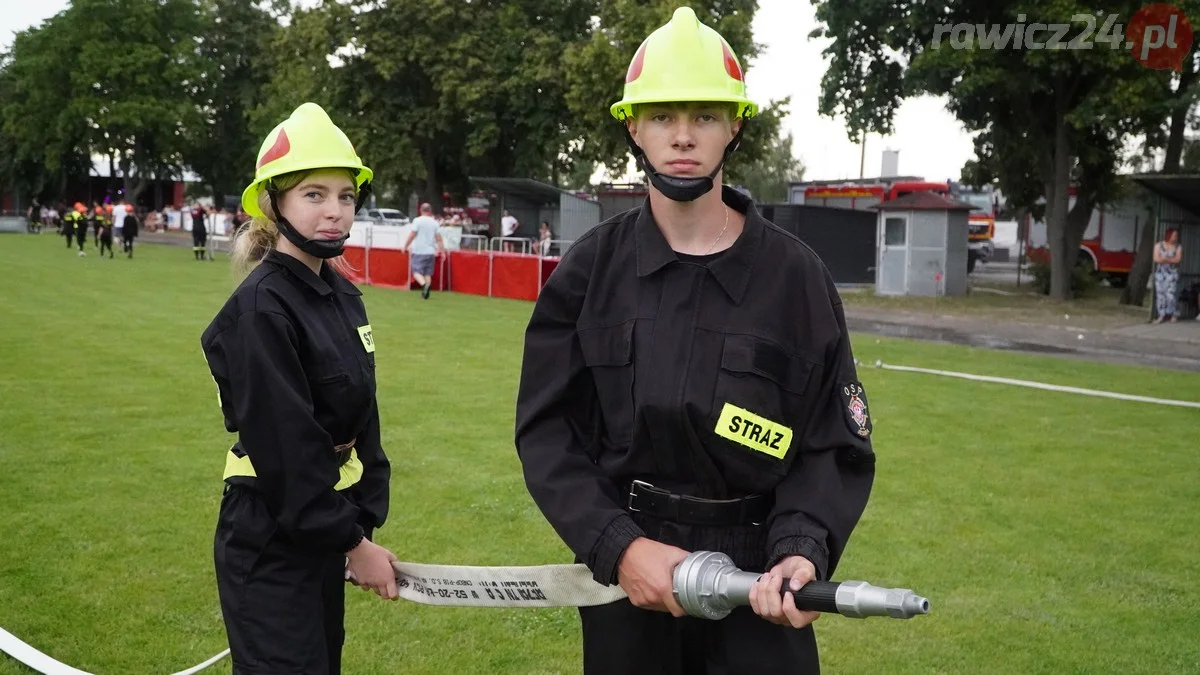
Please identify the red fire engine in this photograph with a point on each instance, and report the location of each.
(478, 207)
(1108, 243)
(863, 194)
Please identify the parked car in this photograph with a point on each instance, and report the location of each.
(383, 216)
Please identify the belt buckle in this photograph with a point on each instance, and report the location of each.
(629, 502)
(753, 521)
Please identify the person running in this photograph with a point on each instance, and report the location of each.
(423, 245)
(96, 218)
(129, 232)
(71, 225)
(106, 234)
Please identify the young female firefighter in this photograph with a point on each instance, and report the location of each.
(688, 385)
(293, 356)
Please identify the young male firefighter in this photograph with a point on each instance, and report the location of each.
(688, 384)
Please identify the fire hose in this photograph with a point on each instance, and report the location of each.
(706, 584)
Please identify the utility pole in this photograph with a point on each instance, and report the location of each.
(862, 157)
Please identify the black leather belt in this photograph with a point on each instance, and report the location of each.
(659, 503)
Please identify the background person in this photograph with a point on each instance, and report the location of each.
(1168, 253)
(423, 245)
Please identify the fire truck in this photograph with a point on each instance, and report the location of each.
(477, 208)
(1108, 243)
(981, 221)
(862, 194)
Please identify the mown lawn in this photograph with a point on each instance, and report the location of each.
(1053, 533)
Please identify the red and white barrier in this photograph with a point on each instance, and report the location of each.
(376, 258)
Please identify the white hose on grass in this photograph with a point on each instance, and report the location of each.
(38, 661)
(1040, 385)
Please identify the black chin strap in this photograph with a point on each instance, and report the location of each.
(318, 248)
(677, 188)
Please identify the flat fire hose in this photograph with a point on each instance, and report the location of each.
(467, 586)
(707, 585)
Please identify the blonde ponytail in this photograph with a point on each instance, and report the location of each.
(252, 242)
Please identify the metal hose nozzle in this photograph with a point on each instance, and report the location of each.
(708, 585)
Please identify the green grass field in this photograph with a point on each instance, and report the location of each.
(1053, 533)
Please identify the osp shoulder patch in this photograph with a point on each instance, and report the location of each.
(364, 333)
(753, 431)
(854, 404)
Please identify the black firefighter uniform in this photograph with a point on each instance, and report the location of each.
(706, 402)
(293, 357)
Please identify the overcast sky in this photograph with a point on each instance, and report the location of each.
(931, 142)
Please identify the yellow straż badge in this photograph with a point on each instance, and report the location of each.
(364, 333)
(753, 431)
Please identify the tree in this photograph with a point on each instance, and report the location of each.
(1069, 110)
(1179, 99)
(440, 90)
(135, 61)
(1191, 156)
(223, 147)
(768, 178)
(596, 70)
(43, 137)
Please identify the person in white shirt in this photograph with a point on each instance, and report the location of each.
(508, 228)
(118, 218)
(423, 244)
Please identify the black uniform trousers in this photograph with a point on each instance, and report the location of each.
(620, 638)
(127, 244)
(199, 242)
(283, 606)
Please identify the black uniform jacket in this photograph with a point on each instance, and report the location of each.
(717, 380)
(294, 360)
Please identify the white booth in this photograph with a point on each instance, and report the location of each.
(921, 246)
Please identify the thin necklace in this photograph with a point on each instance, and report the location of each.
(726, 227)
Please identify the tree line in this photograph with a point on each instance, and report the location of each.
(431, 91)
(1049, 122)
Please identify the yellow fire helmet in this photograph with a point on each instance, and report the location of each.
(684, 61)
(306, 140)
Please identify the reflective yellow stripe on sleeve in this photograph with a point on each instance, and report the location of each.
(349, 473)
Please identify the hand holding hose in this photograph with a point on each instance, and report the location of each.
(769, 597)
(645, 574)
(369, 566)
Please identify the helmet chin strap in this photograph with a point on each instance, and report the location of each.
(318, 248)
(677, 188)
